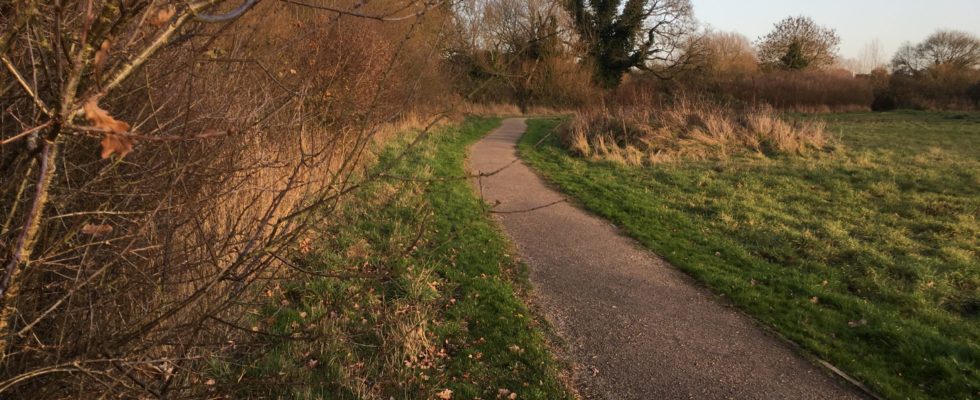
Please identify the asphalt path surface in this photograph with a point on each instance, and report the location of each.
(633, 326)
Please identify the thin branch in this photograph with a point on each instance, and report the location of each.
(528, 209)
(131, 66)
(237, 12)
(25, 133)
(366, 16)
(27, 88)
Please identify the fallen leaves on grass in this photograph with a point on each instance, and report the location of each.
(305, 246)
(445, 394)
(857, 323)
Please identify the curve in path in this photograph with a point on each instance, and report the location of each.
(633, 326)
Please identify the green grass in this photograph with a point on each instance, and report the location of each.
(440, 309)
(866, 257)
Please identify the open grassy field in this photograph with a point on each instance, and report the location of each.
(418, 296)
(867, 256)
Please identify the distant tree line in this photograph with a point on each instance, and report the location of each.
(941, 72)
(797, 66)
(563, 53)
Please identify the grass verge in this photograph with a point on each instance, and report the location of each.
(416, 297)
(866, 257)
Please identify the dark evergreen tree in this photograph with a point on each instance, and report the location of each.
(794, 58)
(618, 37)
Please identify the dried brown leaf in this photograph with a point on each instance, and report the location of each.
(97, 230)
(114, 140)
(164, 15)
(305, 245)
(445, 394)
(115, 143)
(102, 55)
(101, 119)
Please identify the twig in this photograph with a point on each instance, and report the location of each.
(27, 88)
(366, 16)
(321, 274)
(136, 62)
(237, 12)
(530, 209)
(25, 133)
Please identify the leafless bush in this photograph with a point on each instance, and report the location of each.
(941, 87)
(687, 130)
(225, 130)
(518, 52)
(804, 91)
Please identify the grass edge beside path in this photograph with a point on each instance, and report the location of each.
(439, 312)
(866, 340)
(525, 339)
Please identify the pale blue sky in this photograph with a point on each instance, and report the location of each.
(856, 21)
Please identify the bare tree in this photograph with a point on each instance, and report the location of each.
(950, 49)
(512, 50)
(871, 57)
(798, 43)
(727, 53)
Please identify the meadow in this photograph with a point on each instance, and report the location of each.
(865, 255)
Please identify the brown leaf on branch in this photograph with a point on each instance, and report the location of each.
(115, 143)
(114, 139)
(100, 59)
(102, 55)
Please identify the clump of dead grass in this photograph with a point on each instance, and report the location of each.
(688, 130)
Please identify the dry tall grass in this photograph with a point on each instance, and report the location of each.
(130, 276)
(687, 130)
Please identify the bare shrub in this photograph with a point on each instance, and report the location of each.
(814, 91)
(941, 87)
(803, 91)
(516, 51)
(723, 55)
(687, 130)
(135, 274)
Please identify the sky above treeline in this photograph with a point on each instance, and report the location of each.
(858, 22)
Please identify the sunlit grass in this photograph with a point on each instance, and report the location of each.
(867, 257)
(435, 306)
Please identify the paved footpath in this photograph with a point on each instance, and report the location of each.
(634, 326)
